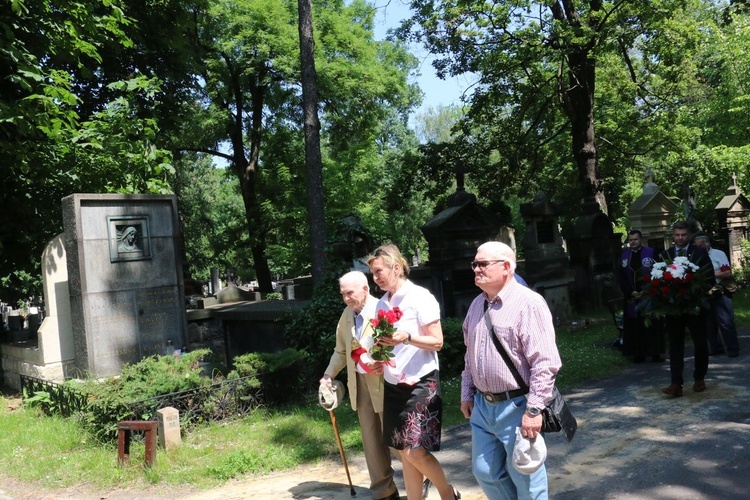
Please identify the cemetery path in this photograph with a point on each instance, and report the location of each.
(633, 443)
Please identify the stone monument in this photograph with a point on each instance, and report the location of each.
(125, 279)
(594, 254)
(168, 422)
(652, 214)
(732, 213)
(52, 356)
(453, 236)
(546, 261)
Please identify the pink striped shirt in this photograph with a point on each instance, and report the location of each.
(523, 324)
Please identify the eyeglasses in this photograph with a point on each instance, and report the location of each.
(484, 264)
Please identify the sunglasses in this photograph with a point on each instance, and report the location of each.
(484, 264)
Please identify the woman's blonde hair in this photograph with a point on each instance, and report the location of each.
(391, 255)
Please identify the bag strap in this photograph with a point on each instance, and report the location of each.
(503, 353)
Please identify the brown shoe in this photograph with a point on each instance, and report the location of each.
(673, 390)
(699, 386)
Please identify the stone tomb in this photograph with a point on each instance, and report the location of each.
(732, 213)
(652, 215)
(125, 279)
(50, 355)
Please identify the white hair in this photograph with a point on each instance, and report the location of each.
(501, 251)
(356, 278)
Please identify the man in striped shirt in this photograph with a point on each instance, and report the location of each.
(490, 396)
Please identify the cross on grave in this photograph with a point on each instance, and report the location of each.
(649, 175)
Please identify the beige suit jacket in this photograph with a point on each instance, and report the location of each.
(341, 356)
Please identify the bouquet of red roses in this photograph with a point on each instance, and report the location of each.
(383, 327)
(674, 288)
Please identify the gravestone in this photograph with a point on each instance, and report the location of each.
(168, 421)
(125, 278)
(732, 213)
(652, 215)
(453, 236)
(546, 261)
(594, 255)
(51, 356)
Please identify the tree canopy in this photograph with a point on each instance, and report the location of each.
(204, 99)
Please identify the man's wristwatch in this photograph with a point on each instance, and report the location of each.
(408, 339)
(533, 412)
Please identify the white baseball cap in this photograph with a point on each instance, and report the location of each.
(528, 454)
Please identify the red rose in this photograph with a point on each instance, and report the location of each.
(682, 292)
(655, 282)
(668, 276)
(646, 279)
(399, 314)
(665, 290)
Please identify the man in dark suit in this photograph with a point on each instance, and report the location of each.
(676, 325)
(636, 262)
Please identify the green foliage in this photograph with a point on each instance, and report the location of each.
(587, 353)
(452, 354)
(314, 329)
(741, 304)
(40, 399)
(741, 273)
(65, 126)
(281, 374)
(111, 400)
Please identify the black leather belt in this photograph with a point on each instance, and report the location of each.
(503, 396)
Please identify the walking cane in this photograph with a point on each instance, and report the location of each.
(341, 450)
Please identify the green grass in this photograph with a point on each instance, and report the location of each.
(56, 453)
(741, 303)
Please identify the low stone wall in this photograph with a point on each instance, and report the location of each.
(27, 360)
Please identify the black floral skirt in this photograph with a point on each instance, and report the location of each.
(413, 414)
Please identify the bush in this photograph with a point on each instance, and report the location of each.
(452, 354)
(112, 400)
(281, 374)
(314, 329)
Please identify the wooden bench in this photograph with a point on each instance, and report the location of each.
(125, 430)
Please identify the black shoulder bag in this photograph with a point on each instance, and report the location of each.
(556, 416)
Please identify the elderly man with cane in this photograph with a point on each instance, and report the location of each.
(364, 380)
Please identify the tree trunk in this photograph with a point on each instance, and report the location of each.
(313, 162)
(578, 98)
(580, 109)
(247, 172)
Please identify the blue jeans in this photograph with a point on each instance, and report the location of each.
(493, 436)
(722, 321)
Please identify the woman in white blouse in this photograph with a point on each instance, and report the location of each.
(413, 406)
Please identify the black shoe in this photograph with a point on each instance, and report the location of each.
(716, 352)
(426, 488)
(639, 359)
(732, 353)
(456, 494)
(657, 359)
